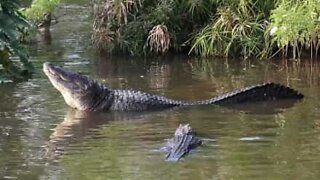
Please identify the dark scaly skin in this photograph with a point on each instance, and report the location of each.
(182, 143)
(84, 94)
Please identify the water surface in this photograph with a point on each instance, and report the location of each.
(42, 138)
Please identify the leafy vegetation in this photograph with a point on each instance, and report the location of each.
(40, 14)
(139, 27)
(295, 25)
(236, 28)
(39, 8)
(14, 29)
(12, 24)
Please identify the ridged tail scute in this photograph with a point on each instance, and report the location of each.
(263, 92)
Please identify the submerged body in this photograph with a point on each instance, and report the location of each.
(84, 94)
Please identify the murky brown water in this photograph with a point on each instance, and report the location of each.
(41, 138)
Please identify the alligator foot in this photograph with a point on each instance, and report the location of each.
(184, 140)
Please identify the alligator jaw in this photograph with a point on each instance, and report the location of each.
(78, 91)
(64, 80)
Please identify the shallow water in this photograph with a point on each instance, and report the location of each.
(41, 138)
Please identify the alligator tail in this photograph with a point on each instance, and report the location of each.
(263, 92)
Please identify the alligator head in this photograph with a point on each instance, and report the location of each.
(78, 91)
(182, 143)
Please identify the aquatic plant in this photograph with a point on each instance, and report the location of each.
(12, 23)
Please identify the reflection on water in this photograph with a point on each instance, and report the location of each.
(79, 124)
(268, 107)
(41, 138)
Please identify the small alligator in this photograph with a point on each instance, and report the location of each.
(184, 140)
(82, 93)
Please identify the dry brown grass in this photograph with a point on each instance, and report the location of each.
(117, 10)
(108, 13)
(103, 37)
(159, 39)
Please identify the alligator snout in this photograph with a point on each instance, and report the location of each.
(47, 68)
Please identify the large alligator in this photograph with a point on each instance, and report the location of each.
(82, 93)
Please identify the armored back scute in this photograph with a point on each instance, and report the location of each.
(263, 92)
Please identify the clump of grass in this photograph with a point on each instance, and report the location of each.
(159, 39)
(234, 31)
(141, 27)
(119, 10)
(110, 18)
(103, 38)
